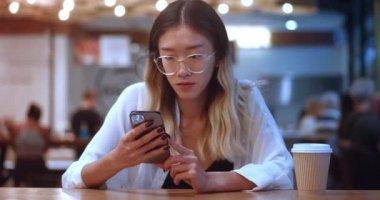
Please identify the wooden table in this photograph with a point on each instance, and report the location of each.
(58, 193)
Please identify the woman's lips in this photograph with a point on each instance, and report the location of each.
(185, 85)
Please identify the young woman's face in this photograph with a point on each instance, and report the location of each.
(180, 42)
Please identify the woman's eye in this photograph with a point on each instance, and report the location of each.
(196, 56)
(168, 58)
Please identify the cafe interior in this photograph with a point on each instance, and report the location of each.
(301, 53)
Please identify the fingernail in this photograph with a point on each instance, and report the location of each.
(160, 130)
(149, 123)
(163, 137)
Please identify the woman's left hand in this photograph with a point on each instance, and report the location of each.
(187, 167)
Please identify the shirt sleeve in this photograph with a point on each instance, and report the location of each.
(115, 125)
(269, 164)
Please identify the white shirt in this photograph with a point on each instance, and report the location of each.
(269, 165)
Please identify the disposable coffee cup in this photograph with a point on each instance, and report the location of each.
(311, 164)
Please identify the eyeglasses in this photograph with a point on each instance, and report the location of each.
(194, 63)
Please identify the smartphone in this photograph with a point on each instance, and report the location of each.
(138, 117)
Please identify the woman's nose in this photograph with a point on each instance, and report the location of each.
(182, 69)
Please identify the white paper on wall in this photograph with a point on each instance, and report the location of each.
(114, 51)
(24, 75)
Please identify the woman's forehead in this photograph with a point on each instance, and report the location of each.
(183, 37)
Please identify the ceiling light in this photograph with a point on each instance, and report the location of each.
(223, 8)
(246, 3)
(249, 36)
(287, 8)
(68, 5)
(63, 15)
(14, 7)
(291, 25)
(31, 2)
(161, 5)
(119, 10)
(109, 3)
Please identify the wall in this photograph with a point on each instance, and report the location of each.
(24, 74)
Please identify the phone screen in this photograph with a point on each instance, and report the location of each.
(138, 117)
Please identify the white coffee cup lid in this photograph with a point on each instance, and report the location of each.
(311, 148)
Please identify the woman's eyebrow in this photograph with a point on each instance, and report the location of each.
(197, 46)
(192, 47)
(166, 49)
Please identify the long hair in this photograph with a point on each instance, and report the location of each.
(227, 104)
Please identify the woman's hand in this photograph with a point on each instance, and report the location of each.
(186, 166)
(131, 151)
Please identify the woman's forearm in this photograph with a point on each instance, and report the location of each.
(97, 173)
(228, 181)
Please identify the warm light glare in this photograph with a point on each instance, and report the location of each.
(249, 37)
(246, 3)
(223, 8)
(119, 10)
(287, 8)
(291, 25)
(161, 5)
(68, 5)
(63, 15)
(14, 7)
(31, 2)
(109, 3)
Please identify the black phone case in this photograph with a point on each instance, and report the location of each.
(138, 117)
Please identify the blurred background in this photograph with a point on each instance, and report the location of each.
(51, 51)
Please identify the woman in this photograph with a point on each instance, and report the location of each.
(30, 142)
(222, 135)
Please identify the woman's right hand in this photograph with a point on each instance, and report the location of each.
(131, 151)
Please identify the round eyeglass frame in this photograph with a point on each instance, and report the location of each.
(206, 57)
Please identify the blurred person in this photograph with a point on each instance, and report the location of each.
(338, 169)
(329, 114)
(376, 103)
(4, 132)
(362, 127)
(8, 126)
(220, 131)
(4, 140)
(346, 108)
(32, 123)
(86, 120)
(308, 120)
(361, 156)
(31, 140)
